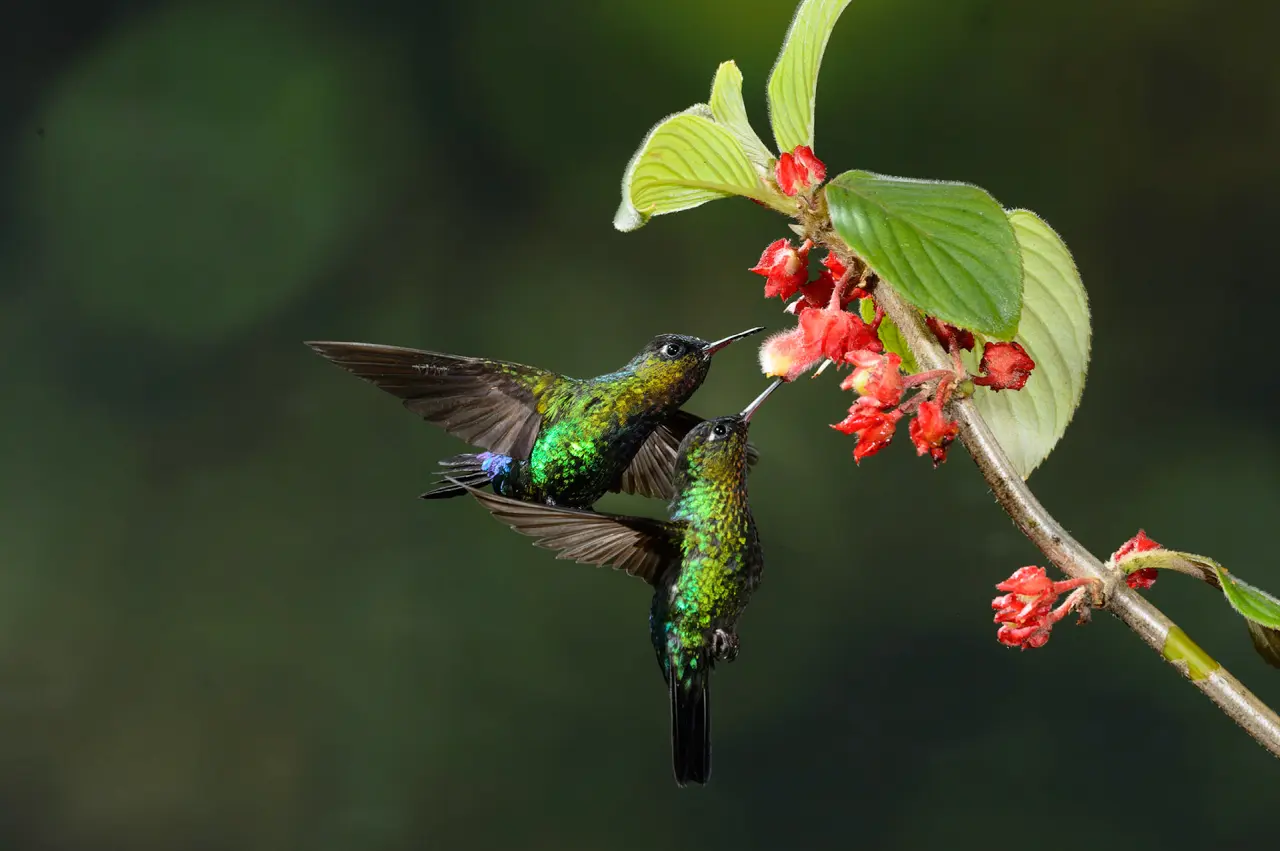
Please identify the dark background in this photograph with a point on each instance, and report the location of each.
(226, 622)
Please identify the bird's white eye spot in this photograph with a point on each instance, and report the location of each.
(720, 430)
(673, 350)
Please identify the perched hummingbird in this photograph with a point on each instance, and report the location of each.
(550, 438)
(704, 563)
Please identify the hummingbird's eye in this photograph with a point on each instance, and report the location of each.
(673, 350)
(720, 430)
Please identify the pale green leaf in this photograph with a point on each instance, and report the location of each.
(730, 112)
(889, 335)
(948, 248)
(1055, 331)
(793, 84)
(685, 161)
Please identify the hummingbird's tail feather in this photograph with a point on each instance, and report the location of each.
(691, 728)
(467, 471)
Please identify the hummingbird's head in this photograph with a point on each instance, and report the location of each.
(718, 448)
(676, 364)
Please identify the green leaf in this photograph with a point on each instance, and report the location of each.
(889, 335)
(685, 161)
(793, 83)
(1266, 642)
(948, 248)
(730, 112)
(1260, 610)
(1055, 331)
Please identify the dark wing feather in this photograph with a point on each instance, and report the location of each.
(490, 404)
(638, 545)
(650, 471)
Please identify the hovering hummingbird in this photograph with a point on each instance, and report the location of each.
(549, 438)
(704, 563)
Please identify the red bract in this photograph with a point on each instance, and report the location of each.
(932, 433)
(837, 332)
(872, 426)
(1026, 612)
(799, 171)
(1007, 366)
(951, 336)
(785, 266)
(835, 266)
(1144, 577)
(876, 376)
(787, 355)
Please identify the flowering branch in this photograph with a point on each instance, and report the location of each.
(916, 273)
(1071, 557)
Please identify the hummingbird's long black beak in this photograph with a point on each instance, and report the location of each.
(750, 410)
(712, 348)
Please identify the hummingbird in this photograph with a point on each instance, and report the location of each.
(704, 563)
(548, 438)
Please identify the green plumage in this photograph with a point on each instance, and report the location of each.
(704, 563)
(550, 438)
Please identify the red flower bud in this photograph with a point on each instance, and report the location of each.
(799, 171)
(1144, 577)
(1026, 612)
(931, 432)
(1006, 366)
(785, 267)
(787, 355)
(872, 426)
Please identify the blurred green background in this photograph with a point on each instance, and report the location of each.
(227, 623)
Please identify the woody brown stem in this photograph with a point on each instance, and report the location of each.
(1070, 556)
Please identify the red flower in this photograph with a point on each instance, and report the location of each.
(785, 267)
(1027, 612)
(872, 426)
(932, 433)
(877, 377)
(1143, 577)
(837, 332)
(951, 336)
(787, 355)
(799, 171)
(1006, 366)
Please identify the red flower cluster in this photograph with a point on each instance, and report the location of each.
(1026, 612)
(1139, 543)
(799, 171)
(785, 267)
(1005, 366)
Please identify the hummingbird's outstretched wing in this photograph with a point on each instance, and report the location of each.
(640, 546)
(650, 471)
(491, 404)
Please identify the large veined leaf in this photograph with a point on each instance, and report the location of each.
(730, 112)
(1055, 331)
(793, 84)
(687, 160)
(948, 248)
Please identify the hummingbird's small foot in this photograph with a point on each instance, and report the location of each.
(724, 646)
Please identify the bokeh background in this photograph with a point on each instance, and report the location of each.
(227, 623)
